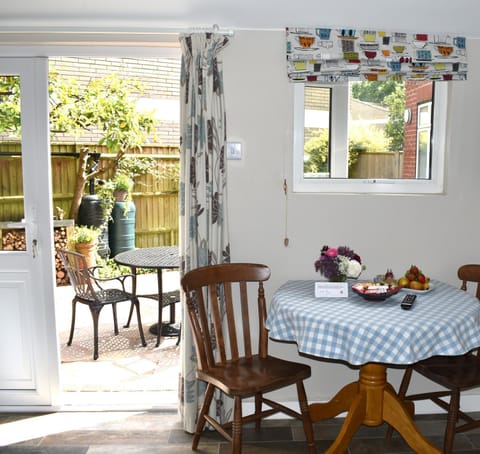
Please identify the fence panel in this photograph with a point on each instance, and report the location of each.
(156, 200)
(378, 165)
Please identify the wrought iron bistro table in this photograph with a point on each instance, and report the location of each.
(159, 259)
(374, 335)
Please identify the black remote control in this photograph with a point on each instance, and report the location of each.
(408, 301)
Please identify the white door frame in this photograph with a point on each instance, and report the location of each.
(45, 357)
(30, 361)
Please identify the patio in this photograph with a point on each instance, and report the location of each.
(124, 366)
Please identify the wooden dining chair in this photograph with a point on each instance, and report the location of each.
(91, 290)
(455, 373)
(226, 356)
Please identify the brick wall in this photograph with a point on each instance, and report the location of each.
(161, 80)
(416, 93)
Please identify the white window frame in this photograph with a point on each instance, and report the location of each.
(339, 143)
(423, 127)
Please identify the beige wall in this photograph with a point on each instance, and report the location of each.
(438, 233)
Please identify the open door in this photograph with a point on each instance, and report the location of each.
(29, 357)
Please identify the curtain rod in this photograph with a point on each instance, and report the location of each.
(214, 29)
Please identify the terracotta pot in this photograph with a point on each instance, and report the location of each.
(120, 195)
(89, 250)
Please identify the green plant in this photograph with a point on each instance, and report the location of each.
(86, 234)
(122, 182)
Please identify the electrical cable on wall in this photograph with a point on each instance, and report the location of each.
(285, 190)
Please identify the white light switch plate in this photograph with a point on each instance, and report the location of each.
(234, 150)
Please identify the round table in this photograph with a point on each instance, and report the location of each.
(374, 335)
(159, 259)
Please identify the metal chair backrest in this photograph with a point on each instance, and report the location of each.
(223, 289)
(79, 274)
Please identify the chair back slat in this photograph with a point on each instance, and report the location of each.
(262, 320)
(230, 314)
(201, 330)
(78, 273)
(214, 303)
(245, 319)
(223, 291)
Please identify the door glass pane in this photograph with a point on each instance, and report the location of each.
(11, 179)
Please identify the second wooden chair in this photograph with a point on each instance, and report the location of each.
(455, 373)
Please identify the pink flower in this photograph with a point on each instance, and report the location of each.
(331, 252)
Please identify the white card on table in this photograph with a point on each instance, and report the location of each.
(331, 289)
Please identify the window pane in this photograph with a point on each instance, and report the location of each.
(383, 138)
(317, 132)
(11, 181)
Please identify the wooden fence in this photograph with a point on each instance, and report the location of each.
(378, 165)
(156, 199)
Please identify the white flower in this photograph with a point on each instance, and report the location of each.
(343, 264)
(353, 269)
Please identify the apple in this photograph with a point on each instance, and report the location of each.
(414, 269)
(403, 282)
(415, 285)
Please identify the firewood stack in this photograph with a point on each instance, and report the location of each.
(13, 240)
(60, 239)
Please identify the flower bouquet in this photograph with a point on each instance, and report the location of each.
(339, 264)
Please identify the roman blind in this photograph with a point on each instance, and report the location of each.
(328, 55)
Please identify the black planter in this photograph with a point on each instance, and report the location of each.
(90, 213)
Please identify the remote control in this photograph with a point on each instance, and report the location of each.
(408, 301)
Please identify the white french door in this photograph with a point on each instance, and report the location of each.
(29, 359)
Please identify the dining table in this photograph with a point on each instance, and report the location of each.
(155, 258)
(373, 335)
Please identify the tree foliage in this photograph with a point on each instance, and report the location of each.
(360, 138)
(105, 105)
(395, 128)
(390, 94)
(373, 92)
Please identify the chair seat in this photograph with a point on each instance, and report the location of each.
(248, 376)
(461, 372)
(108, 296)
(168, 298)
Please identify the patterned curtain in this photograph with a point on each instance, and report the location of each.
(336, 55)
(203, 215)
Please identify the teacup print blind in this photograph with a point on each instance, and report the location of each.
(336, 55)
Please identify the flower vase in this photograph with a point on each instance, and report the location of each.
(339, 278)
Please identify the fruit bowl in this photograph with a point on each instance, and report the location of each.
(417, 292)
(374, 292)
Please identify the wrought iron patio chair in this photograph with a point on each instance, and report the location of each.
(91, 290)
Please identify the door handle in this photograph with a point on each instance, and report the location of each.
(34, 248)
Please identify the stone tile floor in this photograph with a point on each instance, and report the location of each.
(148, 432)
(126, 375)
(125, 402)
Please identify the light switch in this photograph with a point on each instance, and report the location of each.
(234, 150)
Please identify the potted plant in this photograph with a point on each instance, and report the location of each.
(86, 241)
(122, 187)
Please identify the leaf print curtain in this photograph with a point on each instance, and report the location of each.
(203, 218)
(325, 55)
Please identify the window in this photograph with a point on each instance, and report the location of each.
(424, 130)
(370, 137)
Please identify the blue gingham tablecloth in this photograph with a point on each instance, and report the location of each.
(444, 321)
